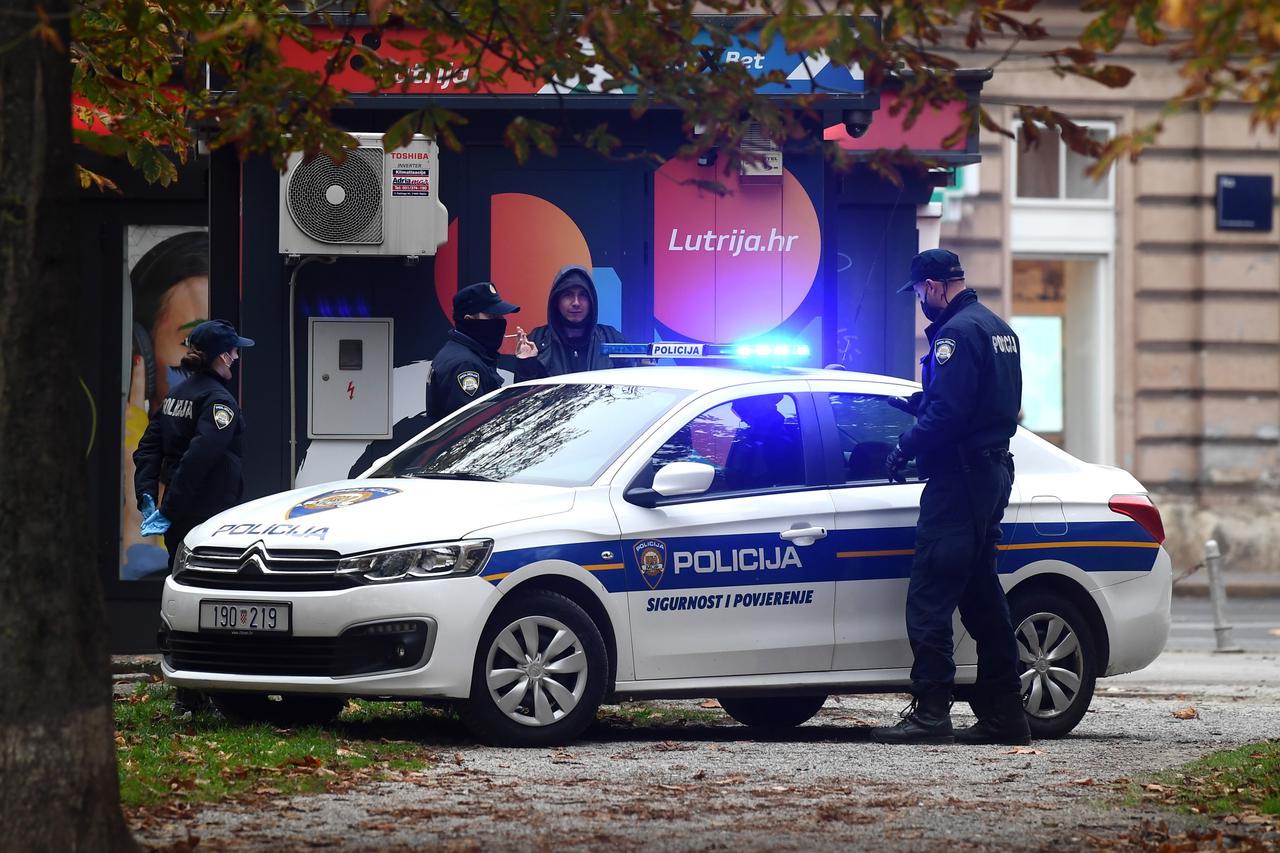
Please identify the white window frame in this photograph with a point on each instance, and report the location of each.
(1062, 201)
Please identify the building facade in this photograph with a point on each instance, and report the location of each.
(1148, 304)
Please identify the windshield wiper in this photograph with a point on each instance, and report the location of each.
(419, 474)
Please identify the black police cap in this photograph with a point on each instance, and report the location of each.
(937, 264)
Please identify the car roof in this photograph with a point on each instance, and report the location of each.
(706, 378)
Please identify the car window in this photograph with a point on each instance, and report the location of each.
(753, 443)
(560, 435)
(868, 428)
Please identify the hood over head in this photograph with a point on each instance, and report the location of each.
(565, 278)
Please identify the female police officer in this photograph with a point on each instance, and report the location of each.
(192, 445)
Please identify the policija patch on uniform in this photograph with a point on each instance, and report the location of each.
(943, 349)
(223, 415)
(469, 382)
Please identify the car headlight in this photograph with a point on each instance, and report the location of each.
(439, 560)
(181, 559)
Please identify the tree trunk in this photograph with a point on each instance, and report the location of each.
(58, 784)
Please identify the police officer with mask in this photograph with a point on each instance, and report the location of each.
(192, 444)
(972, 379)
(467, 365)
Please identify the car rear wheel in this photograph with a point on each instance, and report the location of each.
(539, 674)
(772, 712)
(291, 710)
(1057, 662)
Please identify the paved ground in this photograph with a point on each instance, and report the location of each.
(712, 785)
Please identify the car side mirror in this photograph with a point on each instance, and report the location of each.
(673, 480)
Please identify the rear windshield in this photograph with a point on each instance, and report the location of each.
(558, 435)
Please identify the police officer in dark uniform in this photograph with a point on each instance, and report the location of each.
(192, 444)
(467, 365)
(972, 379)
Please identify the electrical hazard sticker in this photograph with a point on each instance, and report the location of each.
(469, 382)
(223, 415)
(943, 349)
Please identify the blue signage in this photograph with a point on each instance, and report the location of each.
(805, 73)
(1244, 203)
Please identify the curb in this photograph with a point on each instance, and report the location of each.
(123, 664)
(1235, 588)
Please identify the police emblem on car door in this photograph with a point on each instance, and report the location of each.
(651, 557)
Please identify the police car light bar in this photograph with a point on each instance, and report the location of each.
(682, 349)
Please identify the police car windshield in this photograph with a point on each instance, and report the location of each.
(558, 435)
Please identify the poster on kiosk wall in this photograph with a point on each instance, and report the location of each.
(166, 294)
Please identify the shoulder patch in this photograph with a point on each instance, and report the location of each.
(469, 382)
(223, 415)
(943, 349)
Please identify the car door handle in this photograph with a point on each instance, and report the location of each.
(798, 533)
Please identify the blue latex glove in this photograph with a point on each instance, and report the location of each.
(153, 523)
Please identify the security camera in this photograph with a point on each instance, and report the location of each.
(856, 122)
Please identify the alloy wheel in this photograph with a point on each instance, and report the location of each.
(1053, 664)
(536, 670)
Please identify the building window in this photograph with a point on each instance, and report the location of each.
(1049, 171)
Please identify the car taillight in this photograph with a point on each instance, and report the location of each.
(1142, 510)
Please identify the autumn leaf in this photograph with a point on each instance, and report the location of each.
(1024, 750)
(710, 703)
(1187, 713)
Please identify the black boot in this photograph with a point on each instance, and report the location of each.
(1001, 720)
(926, 720)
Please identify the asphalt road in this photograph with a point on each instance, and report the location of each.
(714, 785)
(1255, 624)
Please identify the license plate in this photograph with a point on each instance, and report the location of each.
(246, 617)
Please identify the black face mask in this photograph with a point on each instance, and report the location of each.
(487, 333)
(930, 312)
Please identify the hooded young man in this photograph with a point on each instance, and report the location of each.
(570, 342)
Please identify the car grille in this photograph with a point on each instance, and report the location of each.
(382, 647)
(256, 568)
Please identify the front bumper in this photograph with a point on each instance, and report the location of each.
(331, 640)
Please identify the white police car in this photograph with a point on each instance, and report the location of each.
(649, 532)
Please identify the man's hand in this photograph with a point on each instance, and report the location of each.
(910, 405)
(894, 463)
(525, 348)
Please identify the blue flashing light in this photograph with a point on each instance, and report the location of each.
(802, 351)
(763, 349)
(744, 351)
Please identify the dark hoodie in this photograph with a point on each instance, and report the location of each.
(558, 352)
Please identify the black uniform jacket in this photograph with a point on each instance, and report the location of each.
(972, 378)
(462, 371)
(558, 352)
(192, 446)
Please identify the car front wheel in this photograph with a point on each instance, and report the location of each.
(772, 712)
(1057, 662)
(539, 674)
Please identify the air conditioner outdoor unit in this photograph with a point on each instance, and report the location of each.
(375, 202)
(770, 166)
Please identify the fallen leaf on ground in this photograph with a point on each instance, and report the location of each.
(1088, 780)
(673, 746)
(710, 703)
(1024, 750)
(1187, 713)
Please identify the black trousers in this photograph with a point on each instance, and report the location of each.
(178, 530)
(955, 567)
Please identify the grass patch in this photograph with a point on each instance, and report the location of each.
(207, 758)
(1239, 781)
(643, 715)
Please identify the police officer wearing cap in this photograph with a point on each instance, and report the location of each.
(968, 410)
(192, 444)
(467, 365)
